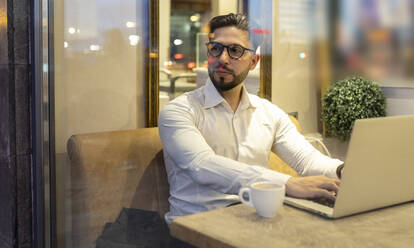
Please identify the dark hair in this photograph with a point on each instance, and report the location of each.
(240, 21)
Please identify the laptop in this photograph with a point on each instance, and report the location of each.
(379, 168)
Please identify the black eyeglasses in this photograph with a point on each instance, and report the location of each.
(215, 49)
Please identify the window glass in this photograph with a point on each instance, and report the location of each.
(300, 27)
(183, 59)
(99, 86)
(376, 39)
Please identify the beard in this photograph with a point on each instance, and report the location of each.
(225, 86)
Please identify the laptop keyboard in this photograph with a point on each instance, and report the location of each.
(325, 201)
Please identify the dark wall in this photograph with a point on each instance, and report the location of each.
(15, 125)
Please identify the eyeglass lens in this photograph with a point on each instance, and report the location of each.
(234, 51)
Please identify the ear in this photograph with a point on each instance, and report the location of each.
(255, 60)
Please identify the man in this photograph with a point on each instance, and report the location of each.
(218, 138)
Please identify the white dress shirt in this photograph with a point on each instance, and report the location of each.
(211, 152)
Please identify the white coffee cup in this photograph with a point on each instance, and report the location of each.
(265, 197)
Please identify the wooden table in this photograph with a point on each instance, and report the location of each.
(240, 226)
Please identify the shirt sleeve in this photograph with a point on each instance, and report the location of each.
(295, 150)
(184, 143)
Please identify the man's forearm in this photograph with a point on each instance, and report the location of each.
(227, 176)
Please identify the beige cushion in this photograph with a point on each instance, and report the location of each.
(112, 170)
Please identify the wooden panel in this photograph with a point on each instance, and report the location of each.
(3, 33)
(151, 62)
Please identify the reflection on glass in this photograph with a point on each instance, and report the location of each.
(99, 86)
(180, 52)
(376, 39)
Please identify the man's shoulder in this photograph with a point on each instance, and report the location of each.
(264, 104)
(187, 101)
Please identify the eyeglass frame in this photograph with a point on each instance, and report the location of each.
(227, 47)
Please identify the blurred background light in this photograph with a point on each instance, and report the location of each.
(178, 42)
(133, 40)
(178, 56)
(94, 47)
(191, 65)
(195, 18)
(131, 24)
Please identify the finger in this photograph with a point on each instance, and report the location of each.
(331, 186)
(328, 179)
(325, 194)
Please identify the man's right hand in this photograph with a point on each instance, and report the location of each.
(312, 187)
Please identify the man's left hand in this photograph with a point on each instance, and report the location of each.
(312, 187)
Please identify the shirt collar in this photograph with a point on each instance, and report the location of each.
(246, 100)
(213, 98)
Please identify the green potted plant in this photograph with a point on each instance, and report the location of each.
(348, 100)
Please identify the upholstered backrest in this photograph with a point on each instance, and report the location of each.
(110, 171)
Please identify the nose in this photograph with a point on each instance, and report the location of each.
(224, 57)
